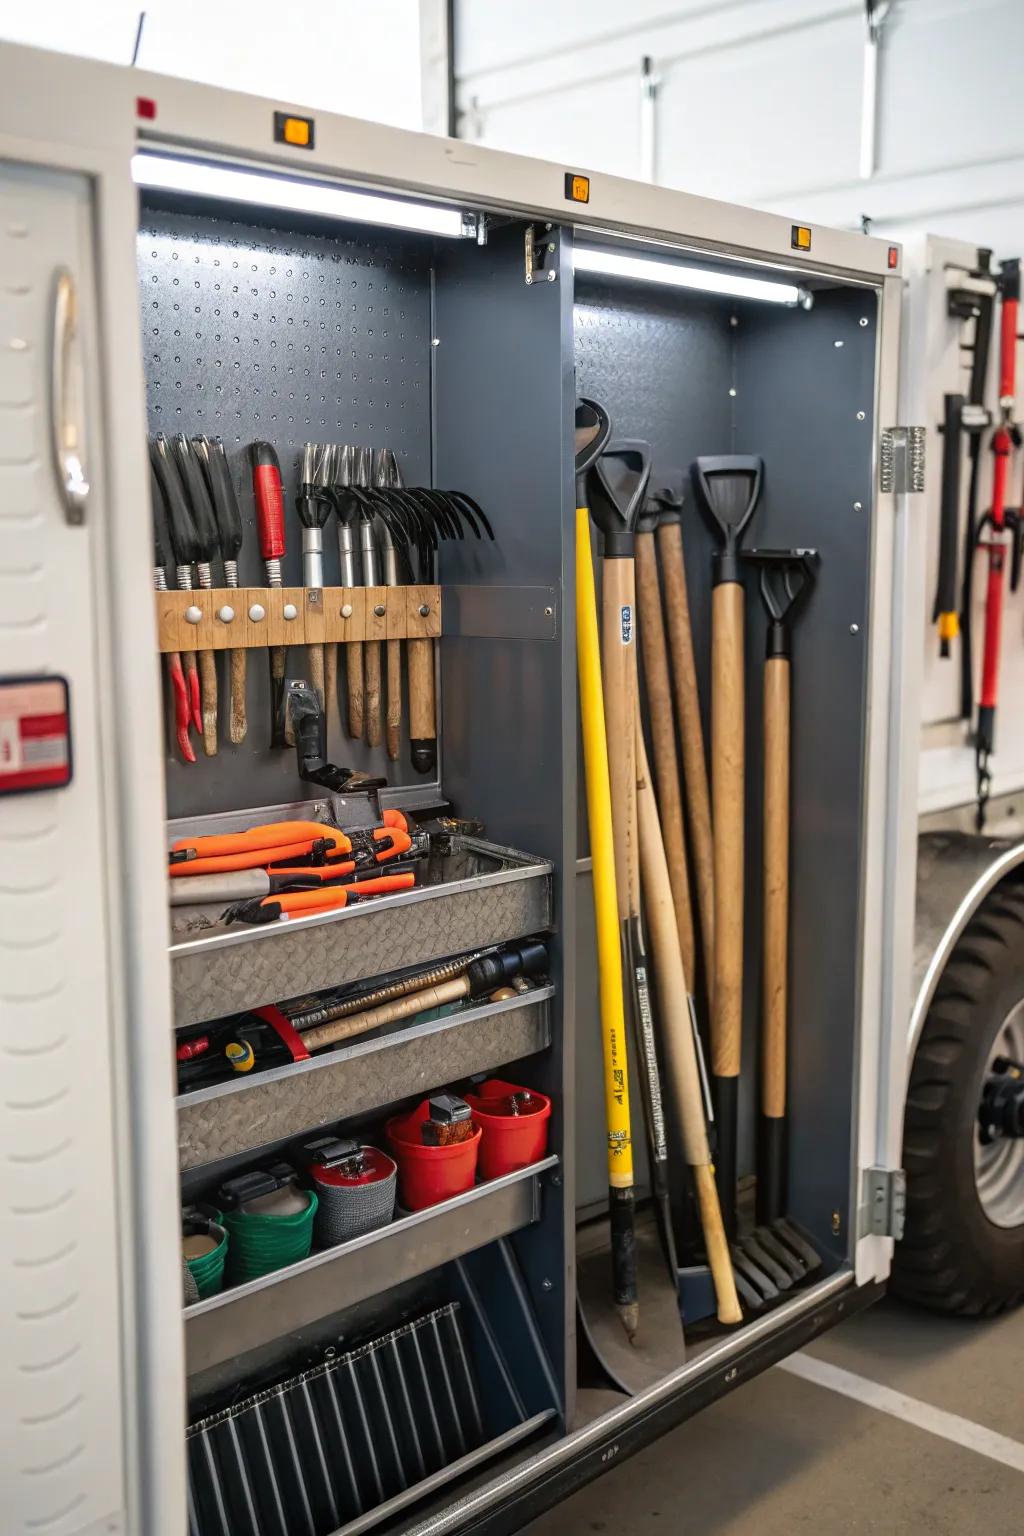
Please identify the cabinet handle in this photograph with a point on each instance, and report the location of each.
(72, 481)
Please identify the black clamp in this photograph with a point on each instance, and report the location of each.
(336, 1152)
(307, 718)
(244, 1187)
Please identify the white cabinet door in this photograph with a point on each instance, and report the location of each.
(62, 1408)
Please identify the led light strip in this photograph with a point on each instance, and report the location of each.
(646, 269)
(226, 183)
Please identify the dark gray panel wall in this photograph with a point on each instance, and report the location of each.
(503, 429)
(255, 332)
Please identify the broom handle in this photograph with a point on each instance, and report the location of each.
(422, 719)
(208, 691)
(330, 681)
(727, 788)
(618, 657)
(680, 1050)
(386, 1013)
(315, 662)
(373, 701)
(239, 722)
(776, 882)
(691, 734)
(663, 739)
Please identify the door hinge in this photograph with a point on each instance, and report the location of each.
(540, 254)
(901, 460)
(883, 1212)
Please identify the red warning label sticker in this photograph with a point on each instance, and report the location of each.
(35, 734)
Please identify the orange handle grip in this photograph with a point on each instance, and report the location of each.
(331, 897)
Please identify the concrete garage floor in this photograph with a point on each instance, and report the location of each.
(783, 1454)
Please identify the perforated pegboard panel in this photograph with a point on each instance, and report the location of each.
(254, 332)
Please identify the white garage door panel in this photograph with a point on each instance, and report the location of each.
(595, 129)
(742, 122)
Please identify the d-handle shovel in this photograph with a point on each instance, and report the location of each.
(728, 488)
(776, 1252)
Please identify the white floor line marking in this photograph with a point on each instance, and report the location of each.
(949, 1426)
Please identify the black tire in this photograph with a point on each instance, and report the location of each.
(952, 1258)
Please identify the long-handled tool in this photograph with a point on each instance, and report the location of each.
(314, 508)
(269, 497)
(668, 503)
(658, 689)
(229, 529)
(775, 1256)
(374, 706)
(348, 472)
(207, 548)
(593, 429)
(971, 299)
(1005, 440)
(175, 675)
(944, 610)
(728, 488)
(386, 473)
(680, 1044)
(184, 547)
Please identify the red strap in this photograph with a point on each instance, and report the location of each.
(281, 1027)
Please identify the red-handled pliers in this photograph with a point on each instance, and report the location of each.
(329, 898)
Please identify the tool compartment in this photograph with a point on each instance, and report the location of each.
(465, 355)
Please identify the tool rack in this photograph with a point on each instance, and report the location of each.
(464, 355)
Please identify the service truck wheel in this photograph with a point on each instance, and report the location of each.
(963, 1247)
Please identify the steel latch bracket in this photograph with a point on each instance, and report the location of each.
(540, 254)
(884, 1209)
(901, 460)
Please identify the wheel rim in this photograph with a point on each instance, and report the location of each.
(999, 1165)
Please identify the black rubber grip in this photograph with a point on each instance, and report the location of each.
(424, 755)
(621, 1203)
(726, 1094)
(771, 1169)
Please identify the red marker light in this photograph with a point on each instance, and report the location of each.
(894, 257)
(145, 107)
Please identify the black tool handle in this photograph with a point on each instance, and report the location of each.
(490, 971)
(949, 517)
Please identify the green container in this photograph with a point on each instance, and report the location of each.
(262, 1243)
(208, 1269)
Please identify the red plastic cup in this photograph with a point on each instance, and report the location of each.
(428, 1175)
(509, 1141)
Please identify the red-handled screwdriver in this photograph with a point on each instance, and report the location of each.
(269, 495)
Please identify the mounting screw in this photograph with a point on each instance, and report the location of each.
(863, 320)
(854, 629)
(837, 343)
(734, 320)
(551, 245)
(424, 610)
(731, 1374)
(529, 279)
(861, 415)
(732, 394)
(346, 610)
(549, 613)
(858, 506)
(556, 1179)
(193, 615)
(290, 611)
(435, 341)
(226, 614)
(379, 610)
(257, 613)
(837, 1223)
(547, 1285)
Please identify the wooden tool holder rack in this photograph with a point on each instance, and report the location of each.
(234, 618)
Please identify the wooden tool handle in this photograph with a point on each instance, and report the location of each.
(330, 681)
(386, 1013)
(678, 1042)
(315, 663)
(281, 732)
(776, 883)
(239, 722)
(422, 716)
(716, 1246)
(691, 736)
(618, 661)
(374, 707)
(727, 743)
(208, 693)
(663, 740)
(393, 723)
(354, 676)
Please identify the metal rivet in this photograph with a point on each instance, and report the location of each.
(379, 610)
(435, 341)
(547, 1285)
(193, 614)
(346, 610)
(734, 320)
(549, 613)
(257, 612)
(552, 276)
(837, 343)
(424, 610)
(858, 506)
(732, 1374)
(732, 393)
(861, 415)
(290, 611)
(837, 1223)
(529, 279)
(854, 629)
(863, 320)
(226, 614)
